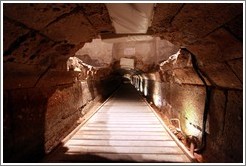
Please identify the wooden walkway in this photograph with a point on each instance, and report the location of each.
(125, 129)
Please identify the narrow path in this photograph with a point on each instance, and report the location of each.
(124, 130)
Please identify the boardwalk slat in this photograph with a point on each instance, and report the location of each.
(122, 137)
(124, 129)
(121, 143)
(124, 125)
(116, 149)
(122, 133)
(120, 129)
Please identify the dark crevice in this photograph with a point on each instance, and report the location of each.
(86, 17)
(74, 11)
(9, 149)
(225, 108)
(234, 72)
(234, 59)
(209, 33)
(9, 59)
(16, 44)
(42, 74)
(202, 146)
(217, 86)
(208, 78)
(17, 23)
(34, 55)
(233, 34)
(225, 28)
(178, 11)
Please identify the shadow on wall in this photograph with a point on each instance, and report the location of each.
(24, 124)
(91, 88)
(35, 120)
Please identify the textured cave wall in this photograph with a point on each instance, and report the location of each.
(178, 93)
(42, 100)
(185, 24)
(39, 39)
(37, 119)
(213, 34)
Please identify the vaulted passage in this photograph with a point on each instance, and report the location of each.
(122, 82)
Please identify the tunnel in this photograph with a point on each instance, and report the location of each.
(122, 82)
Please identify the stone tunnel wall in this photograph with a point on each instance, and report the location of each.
(36, 119)
(39, 39)
(42, 100)
(177, 92)
(213, 33)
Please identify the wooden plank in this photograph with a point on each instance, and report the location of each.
(136, 110)
(130, 122)
(88, 132)
(126, 104)
(126, 118)
(124, 122)
(120, 129)
(125, 125)
(135, 117)
(122, 137)
(124, 113)
(116, 115)
(124, 129)
(118, 149)
(135, 143)
(123, 110)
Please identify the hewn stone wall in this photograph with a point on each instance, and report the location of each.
(213, 33)
(39, 38)
(42, 100)
(178, 93)
(36, 119)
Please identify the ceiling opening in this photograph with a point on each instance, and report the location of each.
(136, 17)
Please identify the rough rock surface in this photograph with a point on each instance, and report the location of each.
(217, 46)
(181, 95)
(184, 24)
(39, 38)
